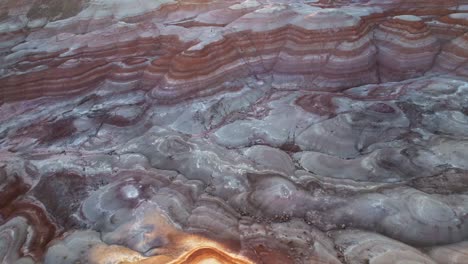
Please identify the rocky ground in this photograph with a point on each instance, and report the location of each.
(234, 132)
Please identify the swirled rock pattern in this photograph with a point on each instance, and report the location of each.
(203, 131)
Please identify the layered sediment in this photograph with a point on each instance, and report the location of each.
(233, 131)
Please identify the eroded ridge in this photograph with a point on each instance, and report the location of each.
(234, 132)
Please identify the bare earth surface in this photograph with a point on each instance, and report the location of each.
(238, 132)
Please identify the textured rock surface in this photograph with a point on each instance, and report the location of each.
(234, 131)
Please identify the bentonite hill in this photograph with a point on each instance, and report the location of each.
(234, 132)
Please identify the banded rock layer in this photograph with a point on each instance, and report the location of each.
(233, 131)
(180, 49)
